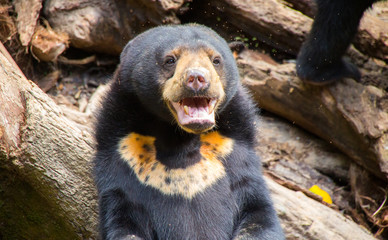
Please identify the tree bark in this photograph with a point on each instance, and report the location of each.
(41, 147)
(304, 218)
(372, 37)
(268, 20)
(107, 25)
(347, 114)
(27, 17)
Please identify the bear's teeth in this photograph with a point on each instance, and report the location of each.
(212, 105)
(186, 109)
(210, 109)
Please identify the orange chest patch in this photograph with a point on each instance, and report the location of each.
(140, 153)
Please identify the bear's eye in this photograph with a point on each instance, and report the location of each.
(217, 61)
(169, 60)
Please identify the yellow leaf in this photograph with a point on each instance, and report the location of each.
(325, 196)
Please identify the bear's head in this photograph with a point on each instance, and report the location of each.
(183, 73)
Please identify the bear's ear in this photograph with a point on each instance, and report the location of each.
(237, 47)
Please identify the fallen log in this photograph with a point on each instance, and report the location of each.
(309, 219)
(347, 114)
(106, 26)
(47, 159)
(299, 160)
(268, 20)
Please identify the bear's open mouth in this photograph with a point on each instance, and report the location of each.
(195, 111)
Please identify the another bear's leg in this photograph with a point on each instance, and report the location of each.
(336, 23)
(118, 218)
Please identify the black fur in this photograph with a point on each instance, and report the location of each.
(336, 22)
(237, 205)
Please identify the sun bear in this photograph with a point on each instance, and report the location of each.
(320, 59)
(175, 144)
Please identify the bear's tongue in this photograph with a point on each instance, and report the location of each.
(198, 110)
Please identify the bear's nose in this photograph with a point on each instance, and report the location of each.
(196, 80)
